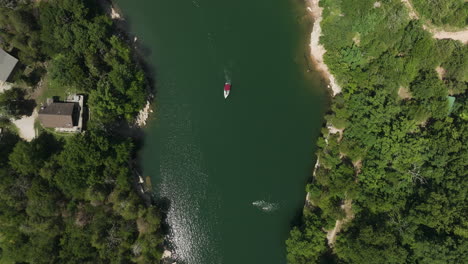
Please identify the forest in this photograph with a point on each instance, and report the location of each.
(392, 181)
(73, 198)
(444, 13)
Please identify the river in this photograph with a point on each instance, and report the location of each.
(233, 170)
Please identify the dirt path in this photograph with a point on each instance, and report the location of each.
(436, 32)
(460, 35)
(25, 126)
(331, 235)
(411, 11)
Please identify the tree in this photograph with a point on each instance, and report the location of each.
(12, 103)
(76, 247)
(67, 70)
(306, 246)
(402, 156)
(42, 199)
(28, 157)
(24, 158)
(370, 245)
(80, 165)
(71, 199)
(8, 141)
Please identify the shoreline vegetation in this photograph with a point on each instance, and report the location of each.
(389, 182)
(75, 198)
(116, 14)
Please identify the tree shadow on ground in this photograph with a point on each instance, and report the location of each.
(27, 107)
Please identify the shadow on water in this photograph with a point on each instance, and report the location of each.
(139, 50)
(139, 53)
(297, 219)
(164, 205)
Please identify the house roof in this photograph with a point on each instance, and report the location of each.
(57, 115)
(7, 64)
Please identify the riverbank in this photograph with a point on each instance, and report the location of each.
(369, 172)
(94, 197)
(199, 142)
(317, 51)
(115, 13)
(143, 184)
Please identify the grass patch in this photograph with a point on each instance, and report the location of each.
(53, 90)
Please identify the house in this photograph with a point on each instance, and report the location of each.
(7, 64)
(59, 115)
(66, 116)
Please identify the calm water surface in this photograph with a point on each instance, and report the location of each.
(233, 170)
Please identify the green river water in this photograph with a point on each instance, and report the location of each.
(233, 170)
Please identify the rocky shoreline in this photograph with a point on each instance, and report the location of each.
(116, 15)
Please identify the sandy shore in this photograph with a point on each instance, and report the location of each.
(317, 50)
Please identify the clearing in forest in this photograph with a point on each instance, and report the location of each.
(437, 33)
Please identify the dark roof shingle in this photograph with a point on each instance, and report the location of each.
(57, 115)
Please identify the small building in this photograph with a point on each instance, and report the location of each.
(7, 64)
(64, 116)
(59, 115)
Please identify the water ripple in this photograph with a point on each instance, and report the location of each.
(185, 184)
